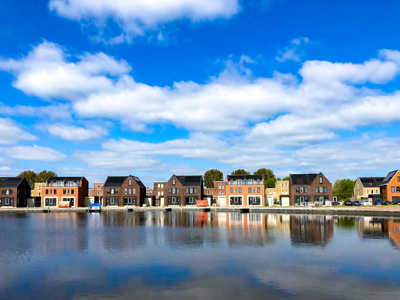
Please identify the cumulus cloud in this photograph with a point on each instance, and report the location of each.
(34, 153)
(46, 73)
(11, 134)
(136, 18)
(75, 133)
(52, 112)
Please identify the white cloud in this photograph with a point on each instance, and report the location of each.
(136, 18)
(294, 51)
(46, 73)
(75, 133)
(52, 112)
(34, 153)
(11, 134)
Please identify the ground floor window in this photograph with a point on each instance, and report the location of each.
(191, 200)
(50, 201)
(71, 200)
(301, 199)
(236, 200)
(321, 199)
(255, 200)
(174, 200)
(129, 200)
(112, 201)
(7, 201)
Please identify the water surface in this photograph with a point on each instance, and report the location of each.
(197, 255)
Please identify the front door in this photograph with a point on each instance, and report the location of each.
(191, 200)
(173, 201)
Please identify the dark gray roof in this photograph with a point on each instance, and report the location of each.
(389, 177)
(191, 180)
(119, 180)
(10, 182)
(302, 179)
(234, 177)
(371, 181)
(65, 178)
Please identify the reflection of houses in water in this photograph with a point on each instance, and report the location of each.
(379, 228)
(394, 231)
(278, 222)
(310, 230)
(372, 228)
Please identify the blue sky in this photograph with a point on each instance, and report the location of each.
(153, 88)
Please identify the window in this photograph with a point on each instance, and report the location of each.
(219, 193)
(297, 189)
(235, 190)
(130, 182)
(325, 189)
(254, 190)
(126, 191)
(55, 191)
(191, 190)
(367, 192)
(392, 189)
(258, 190)
(195, 190)
(173, 180)
(398, 178)
(187, 191)
(170, 190)
(240, 190)
(223, 186)
(372, 191)
(258, 181)
(321, 189)
(316, 189)
(231, 190)
(249, 189)
(320, 179)
(231, 181)
(177, 191)
(398, 189)
(47, 191)
(72, 191)
(286, 185)
(306, 190)
(173, 191)
(301, 190)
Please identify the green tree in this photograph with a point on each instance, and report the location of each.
(30, 176)
(33, 177)
(42, 176)
(286, 178)
(269, 177)
(212, 175)
(240, 172)
(344, 188)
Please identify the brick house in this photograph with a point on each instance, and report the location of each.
(220, 192)
(305, 188)
(14, 191)
(390, 186)
(245, 190)
(124, 190)
(58, 191)
(183, 190)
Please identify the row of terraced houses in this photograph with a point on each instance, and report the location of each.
(235, 190)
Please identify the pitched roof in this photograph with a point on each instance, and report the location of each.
(389, 177)
(302, 179)
(258, 176)
(191, 180)
(10, 182)
(371, 181)
(65, 178)
(119, 180)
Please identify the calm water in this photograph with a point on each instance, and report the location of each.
(196, 255)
